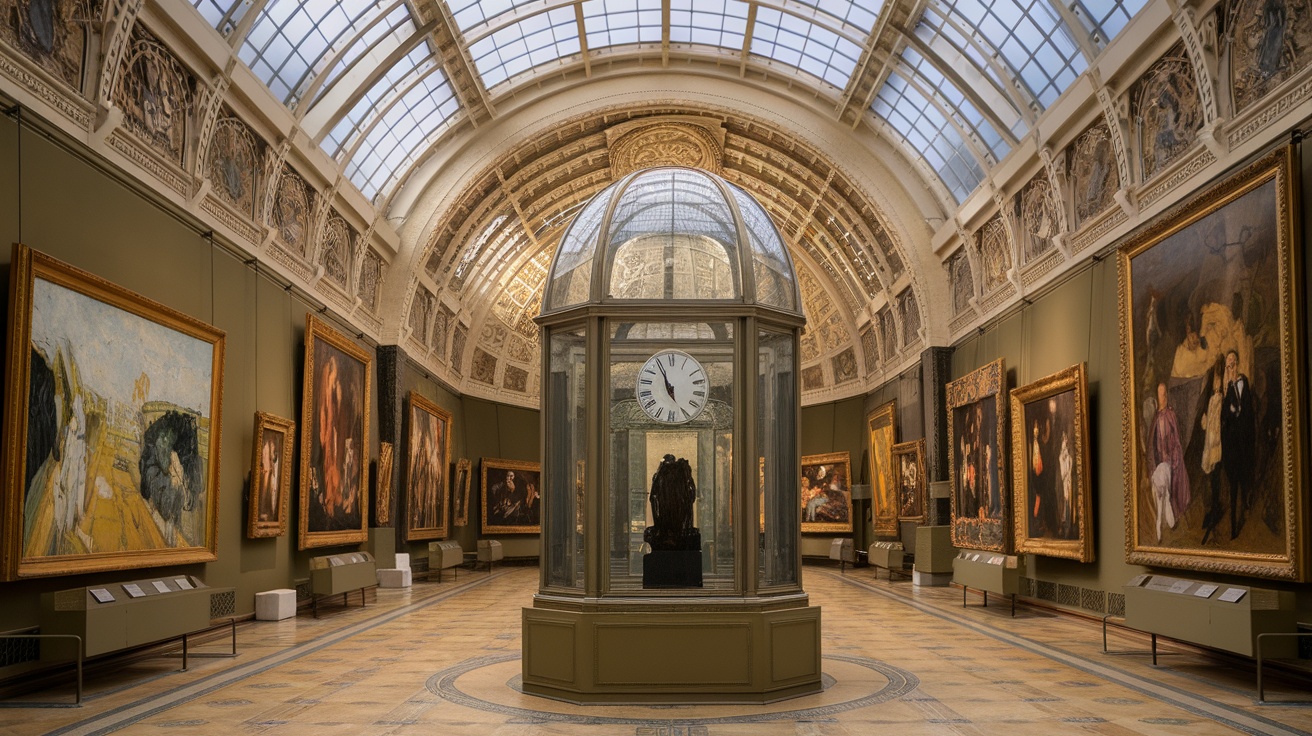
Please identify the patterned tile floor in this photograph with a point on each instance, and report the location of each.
(443, 658)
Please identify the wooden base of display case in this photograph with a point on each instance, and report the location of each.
(631, 651)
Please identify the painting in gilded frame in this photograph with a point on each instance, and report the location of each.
(881, 429)
(271, 476)
(428, 428)
(334, 489)
(460, 493)
(977, 418)
(113, 423)
(1050, 466)
(511, 493)
(1211, 332)
(909, 479)
(826, 495)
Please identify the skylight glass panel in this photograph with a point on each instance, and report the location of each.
(1030, 37)
(384, 36)
(469, 13)
(215, 11)
(289, 38)
(1108, 17)
(859, 15)
(416, 63)
(932, 79)
(928, 132)
(523, 45)
(720, 23)
(396, 139)
(805, 45)
(621, 22)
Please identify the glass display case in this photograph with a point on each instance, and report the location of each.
(671, 319)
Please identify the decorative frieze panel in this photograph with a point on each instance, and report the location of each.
(1270, 41)
(337, 250)
(845, 366)
(1039, 215)
(1094, 180)
(909, 309)
(1168, 111)
(372, 271)
(155, 93)
(233, 165)
(458, 340)
(994, 254)
(53, 34)
(290, 216)
(484, 367)
(961, 280)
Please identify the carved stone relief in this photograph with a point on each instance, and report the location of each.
(441, 322)
(994, 253)
(1269, 42)
(962, 280)
(484, 368)
(515, 379)
(887, 333)
(1093, 173)
(421, 311)
(493, 335)
(845, 366)
(52, 33)
(870, 349)
(234, 165)
(458, 348)
(155, 91)
(1168, 111)
(291, 211)
(813, 378)
(519, 349)
(371, 276)
(338, 250)
(910, 311)
(810, 347)
(1040, 218)
(665, 144)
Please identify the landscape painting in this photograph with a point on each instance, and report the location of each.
(826, 495)
(334, 429)
(981, 503)
(1211, 330)
(428, 453)
(114, 406)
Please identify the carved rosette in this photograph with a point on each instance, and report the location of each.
(665, 144)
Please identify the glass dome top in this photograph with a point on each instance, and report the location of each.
(672, 234)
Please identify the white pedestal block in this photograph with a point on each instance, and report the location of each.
(275, 605)
(930, 579)
(403, 560)
(394, 578)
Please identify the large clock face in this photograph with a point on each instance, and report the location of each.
(672, 387)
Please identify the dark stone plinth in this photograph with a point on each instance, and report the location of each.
(672, 569)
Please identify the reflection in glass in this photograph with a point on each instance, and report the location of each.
(566, 447)
(776, 424)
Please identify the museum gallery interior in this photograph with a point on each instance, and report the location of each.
(680, 367)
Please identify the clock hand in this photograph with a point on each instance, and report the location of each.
(669, 389)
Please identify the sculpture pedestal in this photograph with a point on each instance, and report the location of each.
(755, 650)
(672, 569)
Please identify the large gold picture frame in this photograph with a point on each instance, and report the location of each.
(460, 494)
(1211, 304)
(826, 493)
(428, 453)
(511, 493)
(112, 426)
(909, 479)
(977, 429)
(334, 503)
(271, 476)
(1050, 466)
(881, 432)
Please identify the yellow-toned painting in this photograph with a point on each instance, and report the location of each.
(882, 432)
(111, 456)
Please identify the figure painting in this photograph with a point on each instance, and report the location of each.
(981, 508)
(428, 453)
(271, 476)
(114, 404)
(512, 497)
(1210, 331)
(335, 427)
(1050, 466)
(909, 477)
(827, 493)
(882, 431)
(460, 494)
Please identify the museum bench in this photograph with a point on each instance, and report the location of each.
(1252, 622)
(490, 551)
(988, 572)
(82, 623)
(341, 574)
(842, 550)
(889, 556)
(443, 555)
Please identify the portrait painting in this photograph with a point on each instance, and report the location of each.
(460, 493)
(1050, 466)
(881, 430)
(981, 503)
(428, 429)
(334, 429)
(1210, 318)
(512, 496)
(113, 410)
(271, 476)
(909, 479)
(826, 496)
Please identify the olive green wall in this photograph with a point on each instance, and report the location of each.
(834, 427)
(507, 433)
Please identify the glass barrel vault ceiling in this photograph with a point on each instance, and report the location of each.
(959, 90)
